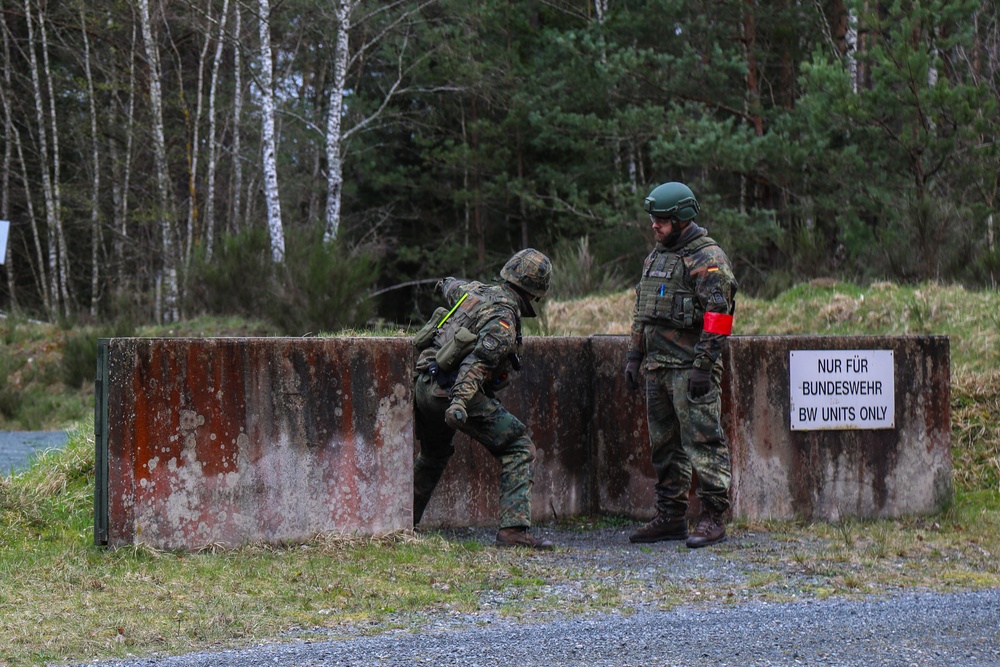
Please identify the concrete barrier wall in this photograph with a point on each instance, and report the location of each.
(780, 473)
(229, 441)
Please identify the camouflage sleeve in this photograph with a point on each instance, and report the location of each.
(715, 288)
(452, 289)
(636, 344)
(497, 339)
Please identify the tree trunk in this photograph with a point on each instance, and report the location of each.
(95, 227)
(168, 308)
(63, 250)
(194, 148)
(52, 289)
(213, 144)
(237, 183)
(334, 147)
(268, 141)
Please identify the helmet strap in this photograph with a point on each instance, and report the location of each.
(527, 310)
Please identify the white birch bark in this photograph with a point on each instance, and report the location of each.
(334, 140)
(168, 309)
(237, 185)
(63, 250)
(213, 144)
(52, 289)
(851, 37)
(268, 140)
(95, 227)
(336, 135)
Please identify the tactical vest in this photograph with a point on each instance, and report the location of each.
(665, 296)
(447, 343)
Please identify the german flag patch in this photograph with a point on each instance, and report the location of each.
(505, 324)
(712, 269)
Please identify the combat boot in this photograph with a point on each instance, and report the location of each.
(520, 537)
(662, 528)
(710, 530)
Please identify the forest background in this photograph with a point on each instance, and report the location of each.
(319, 165)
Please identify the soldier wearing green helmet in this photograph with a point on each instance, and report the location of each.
(469, 349)
(684, 306)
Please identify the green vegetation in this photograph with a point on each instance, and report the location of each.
(63, 599)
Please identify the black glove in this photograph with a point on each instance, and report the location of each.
(632, 371)
(699, 382)
(455, 415)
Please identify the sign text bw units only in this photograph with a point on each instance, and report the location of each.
(841, 389)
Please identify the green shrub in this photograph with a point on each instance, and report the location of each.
(577, 271)
(235, 280)
(322, 288)
(318, 286)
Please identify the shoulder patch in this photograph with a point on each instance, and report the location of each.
(505, 324)
(491, 342)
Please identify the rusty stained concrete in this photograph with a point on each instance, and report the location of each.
(783, 474)
(228, 441)
(236, 440)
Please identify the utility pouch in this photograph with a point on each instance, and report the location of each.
(423, 338)
(682, 314)
(451, 353)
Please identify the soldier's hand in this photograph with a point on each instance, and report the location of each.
(455, 415)
(632, 371)
(699, 382)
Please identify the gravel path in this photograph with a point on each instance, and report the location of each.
(925, 629)
(899, 628)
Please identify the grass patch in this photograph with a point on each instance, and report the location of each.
(63, 599)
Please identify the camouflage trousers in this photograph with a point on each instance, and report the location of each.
(686, 434)
(503, 435)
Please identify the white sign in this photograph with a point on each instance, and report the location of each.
(4, 228)
(842, 389)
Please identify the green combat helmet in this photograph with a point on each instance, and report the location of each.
(672, 200)
(530, 270)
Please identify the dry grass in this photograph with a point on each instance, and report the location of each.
(971, 319)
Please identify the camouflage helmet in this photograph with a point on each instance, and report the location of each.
(530, 270)
(672, 200)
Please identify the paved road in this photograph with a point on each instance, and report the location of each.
(17, 447)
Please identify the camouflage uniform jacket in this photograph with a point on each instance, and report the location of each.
(491, 313)
(680, 286)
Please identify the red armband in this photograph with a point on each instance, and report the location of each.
(719, 323)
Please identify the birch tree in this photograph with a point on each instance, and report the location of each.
(334, 138)
(62, 253)
(237, 181)
(213, 144)
(336, 135)
(51, 213)
(268, 140)
(169, 309)
(95, 227)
